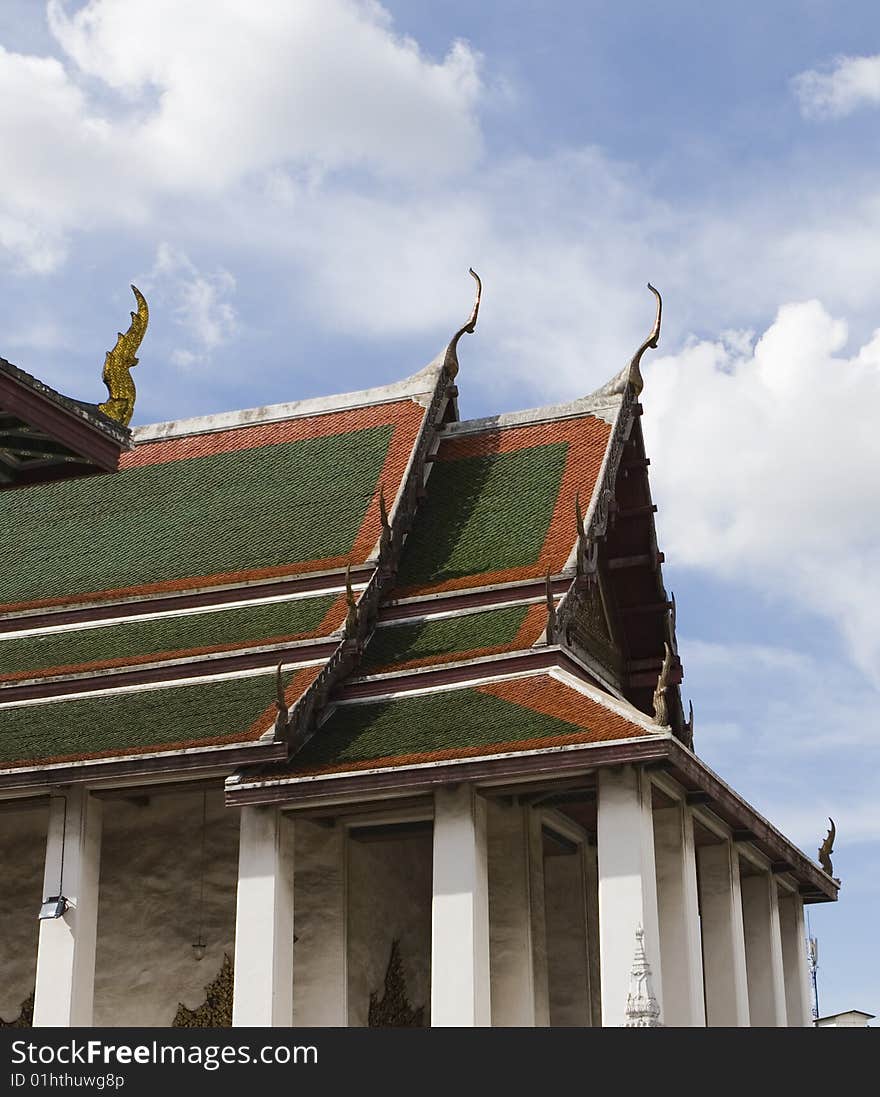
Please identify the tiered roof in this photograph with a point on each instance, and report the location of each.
(442, 599)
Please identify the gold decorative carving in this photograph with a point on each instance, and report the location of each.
(216, 1010)
(25, 1018)
(550, 631)
(661, 709)
(394, 1011)
(120, 361)
(827, 848)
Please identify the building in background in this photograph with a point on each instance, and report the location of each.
(350, 712)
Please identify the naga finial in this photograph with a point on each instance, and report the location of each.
(119, 361)
(661, 709)
(450, 362)
(551, 611)
(827, 848)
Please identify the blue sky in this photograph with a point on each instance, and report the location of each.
(299, 189)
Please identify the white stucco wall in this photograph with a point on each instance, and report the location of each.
(22, 856)
(389, 896)
(148, 906)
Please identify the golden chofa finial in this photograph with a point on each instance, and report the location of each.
(122, 359)
(451, 359)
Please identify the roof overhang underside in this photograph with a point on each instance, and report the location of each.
(46, 436)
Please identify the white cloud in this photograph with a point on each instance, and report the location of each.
(764, 464)
(851, 83)
(197, 301)
(200, 97)
(783, 727)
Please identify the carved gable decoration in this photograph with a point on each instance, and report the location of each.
(216, 1010)
(394, 1010)
(25, 1018)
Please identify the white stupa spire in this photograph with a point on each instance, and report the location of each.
(642, 1010)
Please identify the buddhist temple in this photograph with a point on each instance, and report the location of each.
(352, 712)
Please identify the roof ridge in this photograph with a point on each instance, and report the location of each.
(600, 404)
(423, 383)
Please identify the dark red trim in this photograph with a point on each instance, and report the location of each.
(167, 672)
(231, 596)
(84, 439)
(468, 599)
(138, 766)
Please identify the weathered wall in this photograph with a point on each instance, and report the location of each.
(148, 909)
(22, 856)
(566, 940)
(389, 896)
(319, 887)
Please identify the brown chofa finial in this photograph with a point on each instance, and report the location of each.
(119, 361)
(634, 373)
(281, 705)
(827, 848)
(551, 611)
(450, 362)
(661, 709)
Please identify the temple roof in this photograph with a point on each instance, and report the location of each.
(46, 436)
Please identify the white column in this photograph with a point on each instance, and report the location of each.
(263, 993)
(679, 917)
(763, 951)
(517, 934)
(627, 886)
(65, 986)
(798, 1006)
(460, 911)
(721, 920)
(320, 984)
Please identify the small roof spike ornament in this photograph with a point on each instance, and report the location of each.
(450, 362)
(551, 612)
(118, 363)
(283, 714)
(351, 612)
(642, 1008)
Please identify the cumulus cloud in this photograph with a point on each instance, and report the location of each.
(764, 464)
(851, 83)
(201, 96)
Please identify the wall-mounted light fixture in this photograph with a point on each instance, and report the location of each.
(53, 907)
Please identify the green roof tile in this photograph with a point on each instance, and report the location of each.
(248, 625)
(394, 644)
(419, 725)
(162, 718)
(484, 514)
(253, 508)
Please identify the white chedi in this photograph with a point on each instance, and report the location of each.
(642, 1010)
